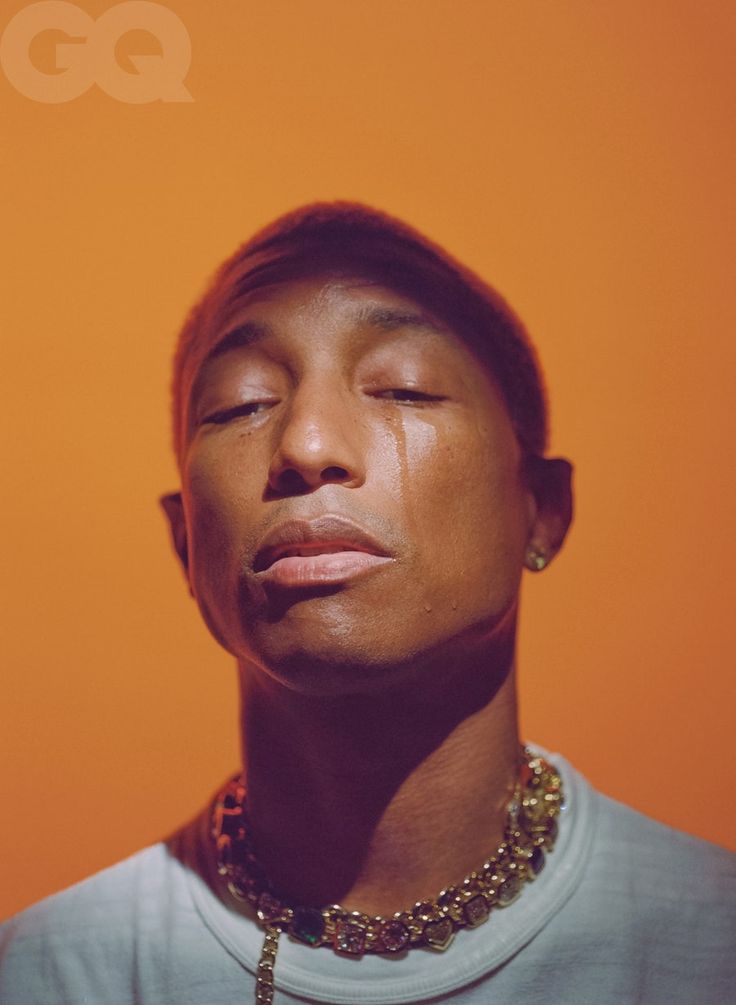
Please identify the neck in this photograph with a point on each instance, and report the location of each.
(376, 802)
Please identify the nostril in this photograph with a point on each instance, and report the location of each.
(295, 481)
(291, 480)
(334, 474)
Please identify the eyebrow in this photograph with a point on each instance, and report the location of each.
(386, 319)
(244, 335)
(389, 319)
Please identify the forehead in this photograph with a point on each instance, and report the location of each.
(317, 310)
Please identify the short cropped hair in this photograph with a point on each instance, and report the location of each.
(350, 239)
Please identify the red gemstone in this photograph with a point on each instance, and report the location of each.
(394, 936)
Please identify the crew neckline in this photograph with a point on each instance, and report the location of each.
(323, 976)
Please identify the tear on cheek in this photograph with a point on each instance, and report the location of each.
(422, 442)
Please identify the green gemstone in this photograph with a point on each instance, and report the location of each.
(307, 925)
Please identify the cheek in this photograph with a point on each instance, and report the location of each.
(464, 505)
(446, 470)
(217, 502)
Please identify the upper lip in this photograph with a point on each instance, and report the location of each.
(332, 533)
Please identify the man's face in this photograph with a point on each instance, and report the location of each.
(352, 488)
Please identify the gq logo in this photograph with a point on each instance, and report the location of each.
(89, 56)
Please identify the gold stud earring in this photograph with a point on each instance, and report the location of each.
(536, 558)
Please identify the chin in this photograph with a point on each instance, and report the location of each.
(334, 645)
(330, 667)
(330, 642)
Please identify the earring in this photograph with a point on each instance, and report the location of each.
(536, 558)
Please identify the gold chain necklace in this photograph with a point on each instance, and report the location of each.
(529, 833)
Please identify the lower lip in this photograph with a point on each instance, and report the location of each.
(297, 571)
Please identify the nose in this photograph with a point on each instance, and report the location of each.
(319, 442)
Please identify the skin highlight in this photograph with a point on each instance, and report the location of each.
(378, 711)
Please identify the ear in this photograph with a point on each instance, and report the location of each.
(173, 507)
(550, 481)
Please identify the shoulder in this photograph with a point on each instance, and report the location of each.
(629, 841)
(638, 843)
(102, 899)
(76, 941)
(678, 891)
(652, 865)
(663, 899)
(652, 917)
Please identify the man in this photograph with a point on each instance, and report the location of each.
(360, 427)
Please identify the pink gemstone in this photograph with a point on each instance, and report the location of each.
(476, 911)
(349, 938)
(439, 934)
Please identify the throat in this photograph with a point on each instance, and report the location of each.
(379, 866)
(529, 833)
(376, 802)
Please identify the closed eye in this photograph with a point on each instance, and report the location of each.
(408, 395)
(228, 414)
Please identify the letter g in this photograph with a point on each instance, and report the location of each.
(51, 88)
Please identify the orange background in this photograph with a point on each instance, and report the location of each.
(581, 157)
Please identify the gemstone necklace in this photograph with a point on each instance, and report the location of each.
(529, 833)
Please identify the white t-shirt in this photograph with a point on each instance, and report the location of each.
(625, 911)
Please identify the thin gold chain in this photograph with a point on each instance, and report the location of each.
(264, 977)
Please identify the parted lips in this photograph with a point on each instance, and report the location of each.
(323, 535)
